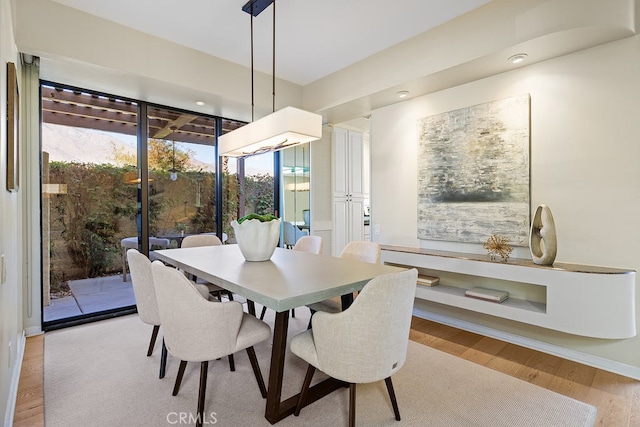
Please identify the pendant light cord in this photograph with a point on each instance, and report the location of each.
(252, 104)
(273, 68)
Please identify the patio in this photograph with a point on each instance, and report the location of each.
(91, 296)
(94, 295)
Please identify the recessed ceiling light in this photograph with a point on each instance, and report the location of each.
(402, 93)
(517, 58)
(199, 102)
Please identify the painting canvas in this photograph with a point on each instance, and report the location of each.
(473, 173)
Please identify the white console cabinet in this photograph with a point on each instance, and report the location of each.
(577, 299)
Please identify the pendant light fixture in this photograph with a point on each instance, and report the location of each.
(281, 129)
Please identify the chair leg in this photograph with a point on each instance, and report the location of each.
(352, 405)
(176, 387)
(163, 360)
(230, 295)
(310, 317)
(264, 310)
(152, 343)
(232, 364)
(305, 388)
(204, 366)
(392, 396)
(256, 371)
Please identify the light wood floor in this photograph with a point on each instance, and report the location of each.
(30, 401)
(616, 397)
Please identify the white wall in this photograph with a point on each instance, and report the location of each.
(585, 122)
(80, 49)
(11, 338)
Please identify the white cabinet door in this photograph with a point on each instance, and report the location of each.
(348, 188)
(340, 225)
(348, 222)
(356, 219)
(340, 163)
(356, 164)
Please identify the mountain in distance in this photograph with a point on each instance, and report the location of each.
(82, 145)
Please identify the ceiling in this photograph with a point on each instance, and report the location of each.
(343, 59)
(313, 38)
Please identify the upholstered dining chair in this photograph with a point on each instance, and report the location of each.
(145, 296)
(308, 244)
(357, 250)
(291, 234)
(196, 240)
(196, 330)
(365, 343)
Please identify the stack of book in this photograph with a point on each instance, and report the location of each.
(486, 294)
(425, 280)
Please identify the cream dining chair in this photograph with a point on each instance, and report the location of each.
(357, 250)
(146, 302)
(196, 330)
(308, 244)
(365, 343)
(197, 240)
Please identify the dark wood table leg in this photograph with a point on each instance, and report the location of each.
(276, 371)
(276, 409)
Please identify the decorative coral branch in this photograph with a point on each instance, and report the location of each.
(498, 246)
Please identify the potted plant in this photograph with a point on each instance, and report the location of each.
(257, 236)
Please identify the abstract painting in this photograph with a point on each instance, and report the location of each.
(473, 173)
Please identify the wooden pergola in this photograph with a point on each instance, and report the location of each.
(87, 110)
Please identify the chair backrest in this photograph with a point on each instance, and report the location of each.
(368, 341)
(362, 251)
(143, 289)
(291, 233)
(194, 329)
(196, 240)
(309, 244)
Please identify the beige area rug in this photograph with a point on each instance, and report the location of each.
(98, 375)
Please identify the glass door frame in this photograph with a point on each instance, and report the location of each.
(143, 193)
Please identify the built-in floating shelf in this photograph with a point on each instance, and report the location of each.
(584, 300)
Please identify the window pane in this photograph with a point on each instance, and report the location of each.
(87, 205)
(182, 174)
(248, 188)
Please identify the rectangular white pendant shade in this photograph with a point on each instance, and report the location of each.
(285, 128)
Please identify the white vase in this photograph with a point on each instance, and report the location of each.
(257, 240)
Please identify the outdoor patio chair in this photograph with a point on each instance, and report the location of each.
(132, 243)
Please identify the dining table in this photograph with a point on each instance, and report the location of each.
(288, 280)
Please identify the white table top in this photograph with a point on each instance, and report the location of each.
(288, 280)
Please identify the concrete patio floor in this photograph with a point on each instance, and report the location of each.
(91, 296)
(98, 294)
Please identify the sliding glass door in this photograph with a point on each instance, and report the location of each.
(88, 205)
(119, 174)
